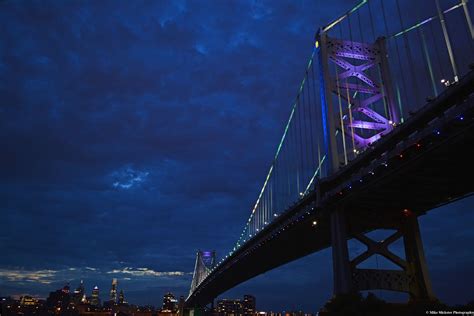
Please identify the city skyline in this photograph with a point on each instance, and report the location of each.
(140, 133)
(104, 299)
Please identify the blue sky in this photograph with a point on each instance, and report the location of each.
(135, 133)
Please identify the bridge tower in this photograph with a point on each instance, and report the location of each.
(358, 108)
(205, 261)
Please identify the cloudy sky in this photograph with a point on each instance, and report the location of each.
(135, 132)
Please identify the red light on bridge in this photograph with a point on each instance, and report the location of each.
(407, 212)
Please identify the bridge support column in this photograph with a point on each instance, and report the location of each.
(412, 276)
(415, 256)
(340, 254)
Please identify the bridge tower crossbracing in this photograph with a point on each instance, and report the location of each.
(352, 126)
(412, 275)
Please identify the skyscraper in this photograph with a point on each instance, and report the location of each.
(249, 305)
(229, 307)
(113, 291)
(169, 303)
(78, 293)
(122, 298)
(95, 300)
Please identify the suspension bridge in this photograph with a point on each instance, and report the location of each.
(381, 132)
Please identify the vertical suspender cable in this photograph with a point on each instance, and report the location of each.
(299, 127)
(400, 65)
(446, 39)
(296, 162)
(315, 104)
(468, 18)
(438, 58)
(371, 22)
(302, 133)
(341, 120)
(428, 61)
(310, 118)
(410, 59)
(349, 100)
(304, 140)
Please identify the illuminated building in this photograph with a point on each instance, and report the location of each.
(169, 303)
(113, 292)
(122, 298)
(58, 300)
(78, 293)
(248, 305)
(66, 288)
(229, 307)
(28, 301)
(95, 300)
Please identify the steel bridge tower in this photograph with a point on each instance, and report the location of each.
(352, 128)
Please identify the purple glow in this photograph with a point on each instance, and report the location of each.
(342, 53)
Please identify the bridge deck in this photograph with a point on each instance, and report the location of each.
(423, 170)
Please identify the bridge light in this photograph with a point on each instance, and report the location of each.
(461, 118)
(315, 223)
(401, 155)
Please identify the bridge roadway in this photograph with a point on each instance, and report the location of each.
(424, 163)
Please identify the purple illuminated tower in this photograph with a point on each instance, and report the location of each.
(356, 94)
(205, 262)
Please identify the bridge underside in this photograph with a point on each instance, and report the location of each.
(424, 164)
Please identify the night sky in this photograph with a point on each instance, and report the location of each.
(134, 133)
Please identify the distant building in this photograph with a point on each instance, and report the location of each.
(227, 307)
(66, 288)
(95, 300)
(27, 300)
(122, 298)
(169, 303)
(78, 293)
(58, 301)
(249, 305)
(113, 291)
